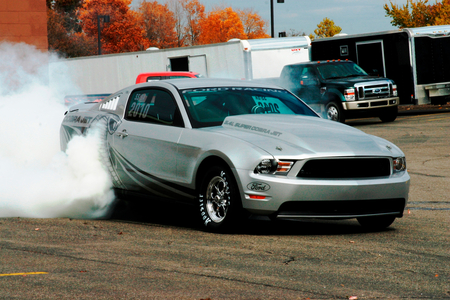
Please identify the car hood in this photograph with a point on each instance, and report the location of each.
(302, 136)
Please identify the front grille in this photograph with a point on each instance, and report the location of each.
(379, 103)
(342, 208)
(346, 168)
(374, 91)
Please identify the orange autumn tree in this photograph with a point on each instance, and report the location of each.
(176, 7)
(254, 26)
(64, 32)
(418, 13)
(442, 13)
(124, 32)
(221, 25)
(159, 24)
(194, 12)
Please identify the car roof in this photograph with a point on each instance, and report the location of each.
(212, 82)
(168, 73)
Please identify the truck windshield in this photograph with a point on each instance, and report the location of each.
(210, 106)
(340, 70)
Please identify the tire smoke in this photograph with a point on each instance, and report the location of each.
(37, 179)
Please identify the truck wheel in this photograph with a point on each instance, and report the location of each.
(335, 112)
(218, 199)
(389, 115)
(376, 223)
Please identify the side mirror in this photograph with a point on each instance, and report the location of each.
(309, 80)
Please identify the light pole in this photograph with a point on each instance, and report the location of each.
(271, 17)
(105, 19)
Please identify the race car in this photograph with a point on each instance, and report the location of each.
(235, 148)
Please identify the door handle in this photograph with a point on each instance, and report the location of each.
(122, 134)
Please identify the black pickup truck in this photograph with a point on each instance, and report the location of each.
(343, 89)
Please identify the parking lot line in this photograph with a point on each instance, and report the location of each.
(24, 274)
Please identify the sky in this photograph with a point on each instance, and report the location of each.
(353, 16)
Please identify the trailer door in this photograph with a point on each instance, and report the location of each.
(370, 57)
(197, 63)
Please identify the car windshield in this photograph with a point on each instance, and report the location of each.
(210, 106)
(340, 70)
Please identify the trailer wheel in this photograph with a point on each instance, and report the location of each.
(335, 112)
(389, 115)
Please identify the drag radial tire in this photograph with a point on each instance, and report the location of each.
(103, 124)
(218, 199)
(376, 223)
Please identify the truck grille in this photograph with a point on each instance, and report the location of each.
(375, 91)
(346, 168)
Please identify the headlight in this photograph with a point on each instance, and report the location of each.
(394, 90)
(349, 94)
(266, 166)
(399, 164)
(272, 166)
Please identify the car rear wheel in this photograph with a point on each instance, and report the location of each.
(376, 223)
(218, 199)
(335, 112)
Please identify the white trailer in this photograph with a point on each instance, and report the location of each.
(239, 59)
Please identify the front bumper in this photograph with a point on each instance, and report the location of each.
(371, 104)
(318, 198)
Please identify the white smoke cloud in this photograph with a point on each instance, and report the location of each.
(36, 178)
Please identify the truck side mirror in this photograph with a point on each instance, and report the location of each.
(309, 80)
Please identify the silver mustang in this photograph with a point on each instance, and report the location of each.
(236, 148)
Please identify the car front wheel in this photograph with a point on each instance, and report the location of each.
(218, 199)
(376, 223)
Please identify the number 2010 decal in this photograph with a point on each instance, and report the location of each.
(139, 110)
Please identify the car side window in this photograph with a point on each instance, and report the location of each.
(308, 77)
(153, 106)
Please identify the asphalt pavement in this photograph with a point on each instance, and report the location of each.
(158, 251)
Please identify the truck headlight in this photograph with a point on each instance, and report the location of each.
(394, 90)
(349, 94)
(399, 164)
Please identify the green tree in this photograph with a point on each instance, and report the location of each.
(327, 28)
